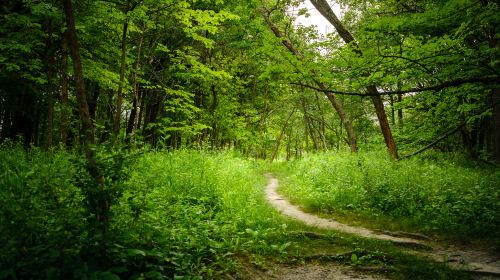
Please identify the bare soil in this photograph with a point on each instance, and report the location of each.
(308, 272)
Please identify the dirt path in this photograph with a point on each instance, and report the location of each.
(309, 272)
(466, 259)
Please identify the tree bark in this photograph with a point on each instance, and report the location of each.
(64, 90)
(324, 8)
(496, 123)
(102, 204)
(337, 105)
(132, 124)
(119, 99)
(88, 128)
(400, 113)
(308, 125)
(50, 86)
(280, 137)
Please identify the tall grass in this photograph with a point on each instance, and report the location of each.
(436, 193)
(180, 214)
(198, 207)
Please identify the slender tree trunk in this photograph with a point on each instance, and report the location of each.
(133, 116)
(400, 113)
(64, 90)
(280, 137)
(132, 124)
(496, 124)
(324, 8)
(213, 107)
(351, 135)
(119, 99)
(393, 112)
(337, 105)
(308, 125)
(50, 86)
(87, 126)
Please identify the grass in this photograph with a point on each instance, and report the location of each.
(440, 194)
(183, 214)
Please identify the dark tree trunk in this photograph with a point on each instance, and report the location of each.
(324, 8)
(64, 90)
(213, 107)
(119, 99)
(495, 124)
(100, 202)
(134, 114)
(384, 124)
(92, 101)
(50, 86)
(142, 101)
(309, 127)
(88, 127)
(400, 113)
(393, 112)
(152, 110)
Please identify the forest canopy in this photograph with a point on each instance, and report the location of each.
(245, 76)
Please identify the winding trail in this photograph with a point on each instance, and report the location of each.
(465, 259)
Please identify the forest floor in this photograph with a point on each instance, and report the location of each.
(481, 262)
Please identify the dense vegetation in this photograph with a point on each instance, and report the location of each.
(436, 194)
(134, 133)
(181, 213)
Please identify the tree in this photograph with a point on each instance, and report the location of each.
(324, 8)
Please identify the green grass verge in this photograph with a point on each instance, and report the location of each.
(441, 194)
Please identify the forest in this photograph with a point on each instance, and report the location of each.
(218, 139)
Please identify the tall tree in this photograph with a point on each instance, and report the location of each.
(81, 95)
(324, 8)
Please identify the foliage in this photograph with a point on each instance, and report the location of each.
(179, 214)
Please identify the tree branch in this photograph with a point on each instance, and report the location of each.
(454, 83)
(446, 135)
(435, 142)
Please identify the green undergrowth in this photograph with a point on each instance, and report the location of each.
(443, 194)
(182, 214)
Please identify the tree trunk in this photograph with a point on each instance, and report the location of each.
(308, 125)
(280, 137)
(102, 205)
(50, 86)
(88, 128)
(64, 90)
(132, 123)
(393, 112)
(119, 99)
(496, 124)
(351, 135)
(324, 8)
(400, 113)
